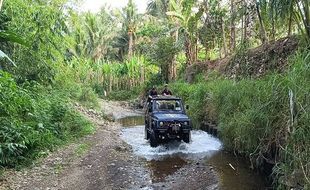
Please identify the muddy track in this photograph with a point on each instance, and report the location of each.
(104, 161)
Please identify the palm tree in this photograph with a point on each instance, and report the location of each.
(125, 41)
(93, 35)
(158, 8)
(187, 21)
(131, 20)
(289, 12)
(263, 34)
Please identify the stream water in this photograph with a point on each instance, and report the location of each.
(165, 160)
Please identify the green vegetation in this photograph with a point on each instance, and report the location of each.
(34, 119)
(58, 168)
(53, 55)
(37, 85)
(266, 119)
(82, 149)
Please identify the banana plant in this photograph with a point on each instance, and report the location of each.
(187, 22)
(8, 36)
(3, 55)
(1, 2)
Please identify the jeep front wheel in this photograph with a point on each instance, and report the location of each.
(153, 140)
(146, 133)
(187, 137)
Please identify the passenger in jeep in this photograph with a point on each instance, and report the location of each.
(166, 91)
(153, 91)
(151, 94)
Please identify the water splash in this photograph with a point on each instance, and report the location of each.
(202, 145)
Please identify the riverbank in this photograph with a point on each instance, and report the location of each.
(265, 119)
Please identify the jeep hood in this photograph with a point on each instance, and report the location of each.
(171, 117)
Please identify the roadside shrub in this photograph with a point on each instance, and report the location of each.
(34, 119)
(88, 97)
(65, 83)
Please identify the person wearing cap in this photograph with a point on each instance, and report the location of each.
(166, 91)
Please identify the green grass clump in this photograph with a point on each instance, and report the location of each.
(266, 119)
(82, 149)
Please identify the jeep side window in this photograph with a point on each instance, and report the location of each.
(177, 106)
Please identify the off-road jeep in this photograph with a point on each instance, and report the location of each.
(165, 120)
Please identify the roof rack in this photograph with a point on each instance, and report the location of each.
(162, 97)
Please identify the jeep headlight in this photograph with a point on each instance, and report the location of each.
(161, 123)
(185, 123)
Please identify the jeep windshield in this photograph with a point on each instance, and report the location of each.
(168, 105)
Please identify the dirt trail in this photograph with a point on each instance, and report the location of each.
(118, 109)
(103, 161)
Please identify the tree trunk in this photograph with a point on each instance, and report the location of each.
(170, 72)
(232, 26)
(192, 52)
(172, 67)
(110, 83)
(142, 73)
(242, 29)
(195, 52)
(188, 52)
(1, 2)
(206, 52)
(130, 44)
(224, 38)
(273, 26)
(289, 32)
(306, 20)
(246, 24)
(262, 28)
(165, 72)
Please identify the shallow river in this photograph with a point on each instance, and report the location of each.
(165, 160)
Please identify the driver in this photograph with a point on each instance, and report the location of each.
(152, 93)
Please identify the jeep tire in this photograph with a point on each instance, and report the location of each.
(153, 140)
(146, 133)
(187, 137)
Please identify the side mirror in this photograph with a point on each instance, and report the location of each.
(187, 107)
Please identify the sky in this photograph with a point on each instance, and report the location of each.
(95, 5)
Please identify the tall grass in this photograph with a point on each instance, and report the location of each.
(266, 119)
